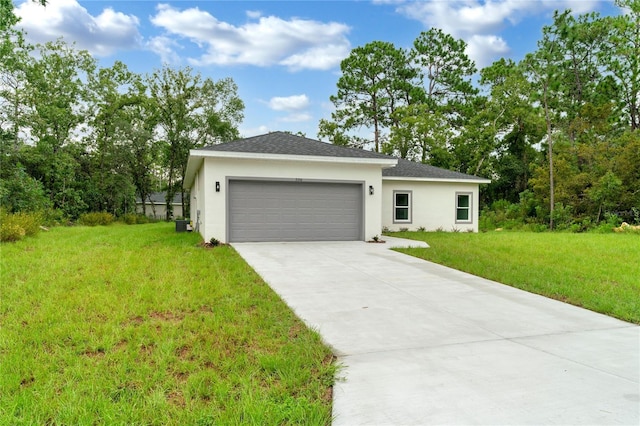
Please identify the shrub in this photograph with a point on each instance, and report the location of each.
(136, 219)
(21, 192)
(96, 218)
(502, 214)
(608, 225)
(53, 217)
(142, 219)
(563, 217)
(129, 219)
(14, 227)
(534, 227)
(11, 232)
(30, 222)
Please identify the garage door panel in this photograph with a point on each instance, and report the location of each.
(294, 211)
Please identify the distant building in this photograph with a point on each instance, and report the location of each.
(156, 205)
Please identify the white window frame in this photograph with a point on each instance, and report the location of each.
(469, 208)
(409, 195)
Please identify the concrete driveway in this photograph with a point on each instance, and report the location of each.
(425, 344)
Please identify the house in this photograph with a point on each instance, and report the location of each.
(281, 187)
(156, 205)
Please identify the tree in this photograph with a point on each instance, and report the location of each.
(141, 120)
(14, 63)
(446, 73)
(7, 18)
(625, 166)
(58, 99)
(621, 56)
(376, 80)
(21, 192)
(543, 71)
(115, 91)
(606, 192)
(441, 104)
(191, 112)
(422, 135)
(580, 80)
(501, 135)
(581, 104)
(336, 135)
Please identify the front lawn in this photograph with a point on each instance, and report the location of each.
(600, 272)
(140, 325)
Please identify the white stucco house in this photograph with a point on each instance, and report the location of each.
(282, 187)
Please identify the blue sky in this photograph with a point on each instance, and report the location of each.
(284, 55)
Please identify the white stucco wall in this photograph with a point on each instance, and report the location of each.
(433, 205)
(213, 207)
(197, 200)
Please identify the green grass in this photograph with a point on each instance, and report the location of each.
(140, 325)
(600, 272)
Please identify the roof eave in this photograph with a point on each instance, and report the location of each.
(202, 154)
(193, 165)
(428, 179)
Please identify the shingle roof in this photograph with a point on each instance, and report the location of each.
(411, 169)
(288, 144)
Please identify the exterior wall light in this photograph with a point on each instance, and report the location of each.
(217, 186)
(370, 189)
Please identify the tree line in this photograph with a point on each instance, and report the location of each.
(557, 132)
(76, 137)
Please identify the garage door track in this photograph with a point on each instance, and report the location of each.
(424, 344)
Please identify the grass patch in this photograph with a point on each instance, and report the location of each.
(140, 325)
(600, 272)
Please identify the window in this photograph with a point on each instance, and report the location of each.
(463, 207)
(402, 206)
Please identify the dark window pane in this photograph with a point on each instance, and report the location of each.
(402, 213)
(463, 201)
(462, 214)
(402, 200)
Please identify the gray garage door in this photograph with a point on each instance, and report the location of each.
(294, 211)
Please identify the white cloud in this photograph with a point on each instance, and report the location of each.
(469, 17)
(464, 18)
(289, 103)
(254, 14)
(321, 57)
(478, 22)
(576, 6)
(101, 35)
(295, 43)
(484, 49)
(294, 105)
(164, 47)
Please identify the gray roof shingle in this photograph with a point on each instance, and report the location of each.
(287, 144)
(411, 169)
